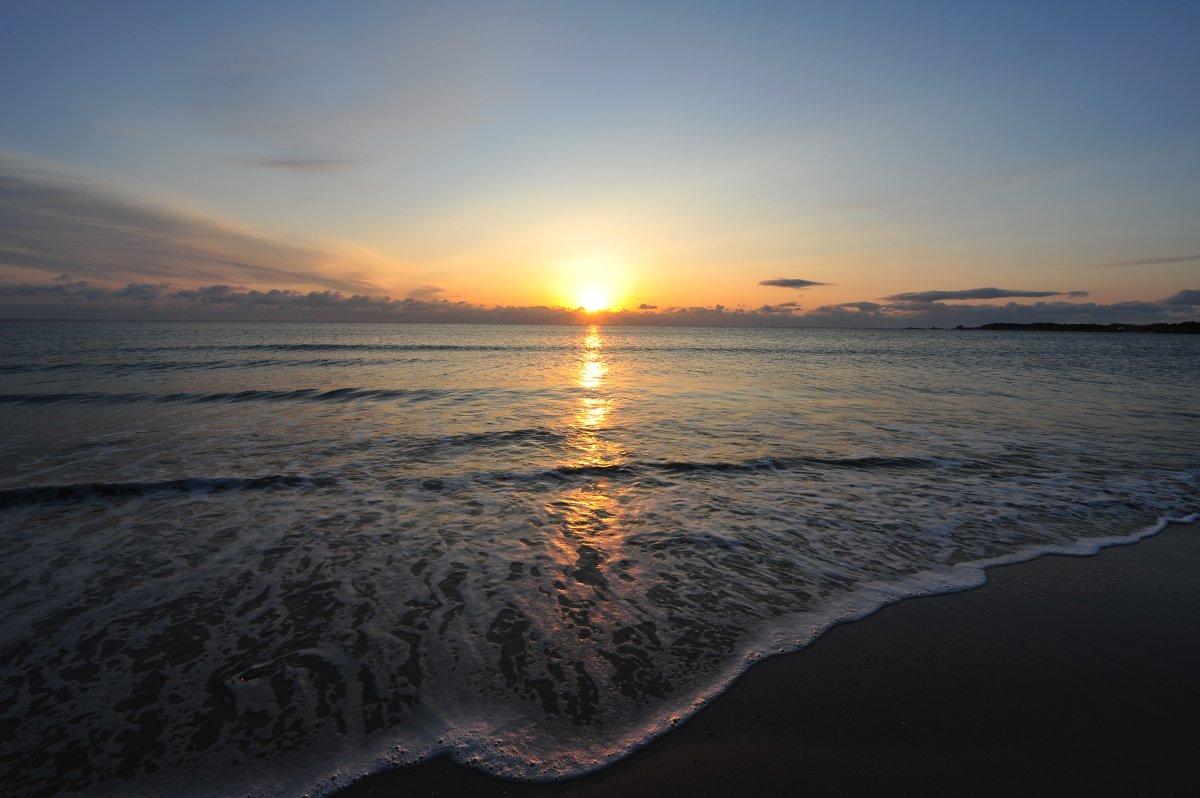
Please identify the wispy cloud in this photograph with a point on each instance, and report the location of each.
(60, 222)
(310, 166)
(977, 293)
(1151, 261)
(427, 292)
(790, 282)
(409, 80)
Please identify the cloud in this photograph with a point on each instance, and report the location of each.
(426, 292)
(403, 85)
(790, 282)
(311, 166)
(977, 293)
(68, 297)
(57, 222)
(644, 306)
(143, 292)
(781, 308)
(1151, 261)
(63, 289)
(1188, 297)
(927, 314)
(864, 307)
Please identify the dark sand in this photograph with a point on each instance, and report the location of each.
(1061, 675)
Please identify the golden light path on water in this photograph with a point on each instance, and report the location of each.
(591, 514)
(595, 406)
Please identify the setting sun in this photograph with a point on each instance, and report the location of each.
(594, 297)
(593, 283)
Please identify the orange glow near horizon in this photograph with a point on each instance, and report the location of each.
(594, 297)
(594, 284)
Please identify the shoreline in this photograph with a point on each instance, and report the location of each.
(794, 720)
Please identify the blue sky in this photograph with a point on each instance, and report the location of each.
(692, 149)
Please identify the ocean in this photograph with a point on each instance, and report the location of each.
(267, 558)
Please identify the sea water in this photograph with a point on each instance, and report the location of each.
(265, 558)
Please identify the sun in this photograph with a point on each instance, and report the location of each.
(594, 297)
(592, 283)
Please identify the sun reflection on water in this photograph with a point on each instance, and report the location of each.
(591, 374)
(590, 516)
(589, 446)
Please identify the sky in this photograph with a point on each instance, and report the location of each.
(850, 163)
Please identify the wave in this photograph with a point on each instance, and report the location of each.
(747, 466)
(862, 603)
(199, 365)
(46, 494)
(483, 439)
(777, 349)
(299, 395)
(334, 347)
(505, 758)
(369, 355)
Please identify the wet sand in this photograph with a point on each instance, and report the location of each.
(1060, 675)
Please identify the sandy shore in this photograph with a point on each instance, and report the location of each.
(1061, 675)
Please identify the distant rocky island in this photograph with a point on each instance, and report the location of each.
(1186, 327)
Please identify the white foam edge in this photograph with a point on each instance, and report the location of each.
(465, 747)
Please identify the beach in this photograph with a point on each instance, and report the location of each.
(1064, 675)
(599, 399)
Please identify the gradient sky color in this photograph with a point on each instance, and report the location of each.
(495, 152)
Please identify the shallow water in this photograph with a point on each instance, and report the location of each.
(268, 557)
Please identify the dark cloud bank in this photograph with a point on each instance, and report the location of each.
(67, 297)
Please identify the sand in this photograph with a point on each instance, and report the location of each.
(1063, 674)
